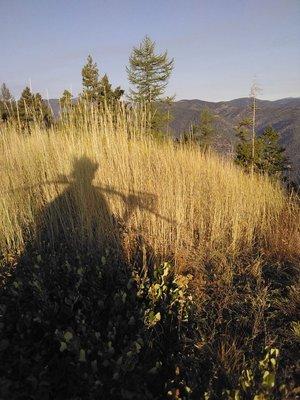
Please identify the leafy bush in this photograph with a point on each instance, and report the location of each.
(76, 325)
(82, 328)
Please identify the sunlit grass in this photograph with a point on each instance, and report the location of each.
(187, 205)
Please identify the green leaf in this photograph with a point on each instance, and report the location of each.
(157, 317)
(273, 362)
(82, 355)
(68, 336)
(63, 346)
(269, 379)
(188, 389)
(16, 284)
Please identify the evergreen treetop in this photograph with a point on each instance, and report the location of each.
(203, 131)
(95, 89)
(5, 94)
(65, 101)
(7, 103)
(32, 107)
(148, 72)
(269, 157)
(90, 80)
(109, 94)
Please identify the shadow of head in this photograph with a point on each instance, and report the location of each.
(84, 170)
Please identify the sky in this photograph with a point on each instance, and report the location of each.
(219, 46)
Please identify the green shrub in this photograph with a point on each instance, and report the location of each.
(82, 327)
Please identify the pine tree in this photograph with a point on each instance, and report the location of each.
(7, 103)
(65, 102)
(109, 94)
(273, 161)
(32, 108)
(90, 81)
(5, 94)
(206, 129)
(203, 131)
(42, 112)
(148, 72)
(98, 90)
(269, 156)
(26, 106)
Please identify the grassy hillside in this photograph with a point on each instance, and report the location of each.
(282, 114)
(90, 212)
(180, 199)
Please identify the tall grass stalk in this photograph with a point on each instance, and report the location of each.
(187, 205)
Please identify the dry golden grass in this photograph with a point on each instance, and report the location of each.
(187, 205)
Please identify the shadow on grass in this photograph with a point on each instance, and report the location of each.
(76, 321)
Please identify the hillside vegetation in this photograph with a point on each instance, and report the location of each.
(194, 260)
(178, 198)
(282, 115)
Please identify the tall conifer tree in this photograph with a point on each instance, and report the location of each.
(148, 72)
(65, 102)
(269, 157)
(90, 81)
(98, 90)
(109, 94)
(7, 103)
(32, 108)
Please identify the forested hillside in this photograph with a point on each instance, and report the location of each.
(283, 115)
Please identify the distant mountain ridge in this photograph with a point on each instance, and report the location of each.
(282, 114)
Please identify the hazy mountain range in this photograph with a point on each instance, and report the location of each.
(283, 115)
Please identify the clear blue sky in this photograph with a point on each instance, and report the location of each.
(218, 45)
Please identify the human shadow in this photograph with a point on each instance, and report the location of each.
(80, 217)
(72, 309)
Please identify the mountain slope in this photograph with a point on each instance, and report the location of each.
(283, 115)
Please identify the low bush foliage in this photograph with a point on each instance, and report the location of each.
(85, 326)
(82, 327)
